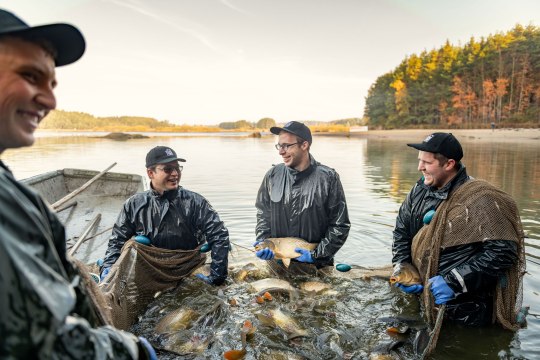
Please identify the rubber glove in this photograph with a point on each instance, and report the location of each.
(305, 257)
(204, 278)
(440, 290)
(265, 254)
(150, 352)
(104, 273)
(413, 289)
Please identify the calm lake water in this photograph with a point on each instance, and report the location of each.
(376, 175)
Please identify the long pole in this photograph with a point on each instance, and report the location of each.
(85, 233)
(80, 189)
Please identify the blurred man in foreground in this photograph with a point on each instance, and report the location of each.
(46, 312)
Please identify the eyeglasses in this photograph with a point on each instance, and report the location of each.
(169, 169)
(286, 146)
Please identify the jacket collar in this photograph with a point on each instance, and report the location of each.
(443, 192)
(168, 194)
(306, 172)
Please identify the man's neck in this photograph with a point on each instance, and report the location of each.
(306, 162)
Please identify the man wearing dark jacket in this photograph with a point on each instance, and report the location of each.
(170, 217)
(302, 198)
(467, 274)
(46, 312)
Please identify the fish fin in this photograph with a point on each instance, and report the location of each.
(286, 262)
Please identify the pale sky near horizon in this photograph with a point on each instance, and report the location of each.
(209, 61)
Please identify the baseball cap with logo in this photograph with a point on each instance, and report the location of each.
(442, 143)
(161, 155)
(295, 128)
(66, 40)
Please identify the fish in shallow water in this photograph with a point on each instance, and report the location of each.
(176, 320)
(247, 330)
(315, 287)
(271, 284)
(276, 317)
(283, 248)
(405, 274)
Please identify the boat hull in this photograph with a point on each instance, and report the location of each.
(105, 197)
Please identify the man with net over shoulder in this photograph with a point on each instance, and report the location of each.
(465, 238)
(47, 312)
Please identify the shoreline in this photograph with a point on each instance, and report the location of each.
(518, 134)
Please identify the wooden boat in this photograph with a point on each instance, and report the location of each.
(88, 215)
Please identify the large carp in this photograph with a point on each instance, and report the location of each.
(283, 248)
(276, 317)
(272, 284)
(405, 274)
(176, 320)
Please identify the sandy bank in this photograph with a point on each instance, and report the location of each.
(529, 135)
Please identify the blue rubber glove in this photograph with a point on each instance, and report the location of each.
(305, 257)
(413, 289)
(150, 352)
(104, 273)
(440, 290)
(265, 254)
(204, 278)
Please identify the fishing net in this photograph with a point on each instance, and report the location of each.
(295, 269)
(139, 273)
(476, 211)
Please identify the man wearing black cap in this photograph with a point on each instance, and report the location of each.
(171, 217)
(464, 266)
(302, 198)
(46, 312)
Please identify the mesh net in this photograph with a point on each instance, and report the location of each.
(139, 273)
(476, 211)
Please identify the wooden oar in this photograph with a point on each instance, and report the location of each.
(74, 193)
(85, 233)
(67, 206)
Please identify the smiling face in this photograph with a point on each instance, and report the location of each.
(27, 80)
(435, 173)
(295, 156)
(165, 177)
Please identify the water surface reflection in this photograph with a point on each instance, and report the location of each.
(376, 175)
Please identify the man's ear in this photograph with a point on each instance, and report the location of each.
(150, 173)
(304, 145)
(450, 164)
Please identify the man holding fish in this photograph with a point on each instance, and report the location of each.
(463, 235)
(301, 203)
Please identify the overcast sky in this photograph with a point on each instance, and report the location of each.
(209, 61)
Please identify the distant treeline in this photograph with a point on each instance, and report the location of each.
(494, 79)
(68, 120)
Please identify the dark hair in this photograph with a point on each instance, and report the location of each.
(301, 141)
(443, 160)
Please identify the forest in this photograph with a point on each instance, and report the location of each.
(75, 121)
(491, 81)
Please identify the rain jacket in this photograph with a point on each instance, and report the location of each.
(177, 219)
(308, 204)
(45, 311)
(470, 270)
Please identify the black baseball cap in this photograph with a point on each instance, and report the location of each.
(161, 155)
(294, 127)
(442, 143)
(67, 40)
